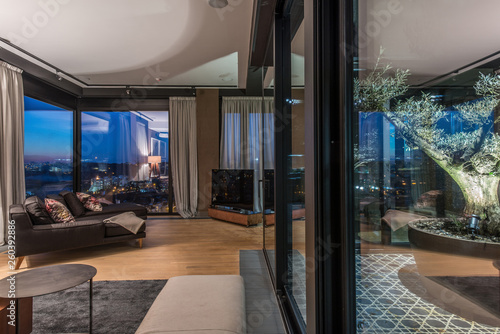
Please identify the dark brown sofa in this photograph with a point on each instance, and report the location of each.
(88, 230)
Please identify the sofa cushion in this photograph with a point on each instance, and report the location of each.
(77, 224)
(58, 198)
(114, 209)
(58, 212)
(35, 208)
(73, 203)
(89, 202)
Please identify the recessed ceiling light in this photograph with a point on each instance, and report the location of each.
(218, 3)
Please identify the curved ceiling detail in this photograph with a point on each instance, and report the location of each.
(134, 42)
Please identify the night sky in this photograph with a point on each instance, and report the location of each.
(106, 136)
(48, 132)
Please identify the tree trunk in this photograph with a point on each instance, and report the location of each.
(481, 197)
(480, 191)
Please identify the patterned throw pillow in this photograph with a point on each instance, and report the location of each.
(89, 202)
(58, 211)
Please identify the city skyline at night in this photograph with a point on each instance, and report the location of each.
(107, 137)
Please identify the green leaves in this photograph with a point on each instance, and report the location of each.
(378, 88)
(477, 111)
(487, 85)
(417, 117)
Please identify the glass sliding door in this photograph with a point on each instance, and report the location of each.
(125, 158)
(289, 231)
(269, 226)
(425, 174)
(296, 285)
(48, 148)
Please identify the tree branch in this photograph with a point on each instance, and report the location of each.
(412, 137)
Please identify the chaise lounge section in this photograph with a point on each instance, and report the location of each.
(89, 229)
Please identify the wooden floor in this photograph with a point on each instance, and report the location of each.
(172, 247)
(176, 247)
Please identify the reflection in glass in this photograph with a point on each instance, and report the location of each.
(48, 148)
(426, 159)
(268, 186)
(296, 174)
(117, 148)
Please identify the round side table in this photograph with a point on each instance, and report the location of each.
(46, 280)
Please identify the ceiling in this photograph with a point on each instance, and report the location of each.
(429, 37)
(179, 43)
(134, 42)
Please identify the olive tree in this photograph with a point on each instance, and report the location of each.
(471, 157)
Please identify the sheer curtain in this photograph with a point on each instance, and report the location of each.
(184, 155)
(142, 152)
(247, 138)
(12, 183)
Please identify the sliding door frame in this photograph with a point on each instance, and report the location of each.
(283, 151)
(330, 229)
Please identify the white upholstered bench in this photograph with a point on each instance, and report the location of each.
(198, 304)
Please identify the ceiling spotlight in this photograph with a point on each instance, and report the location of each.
(218, 3)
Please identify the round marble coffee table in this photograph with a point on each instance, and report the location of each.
(46, 280)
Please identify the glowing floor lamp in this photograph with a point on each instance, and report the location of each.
(154, 170)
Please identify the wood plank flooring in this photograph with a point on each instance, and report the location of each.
(172, 247)
(176, 247)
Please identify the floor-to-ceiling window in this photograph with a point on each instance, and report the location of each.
(296, 284)
(269, 228)
(285, 242)
(125, 158)
(425, 173)
(48, 148)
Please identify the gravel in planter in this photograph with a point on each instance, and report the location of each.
(455, 228)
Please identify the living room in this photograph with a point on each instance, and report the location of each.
(302, 166)
(105, 131)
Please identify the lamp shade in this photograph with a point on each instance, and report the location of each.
(154, 159)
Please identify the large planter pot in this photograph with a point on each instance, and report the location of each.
(462, 262)
(441, 255)
(421, 239)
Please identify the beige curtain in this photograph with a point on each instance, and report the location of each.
(12, 185)
(184, 155)
(247, 138)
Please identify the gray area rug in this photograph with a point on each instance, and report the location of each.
(118, 307)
